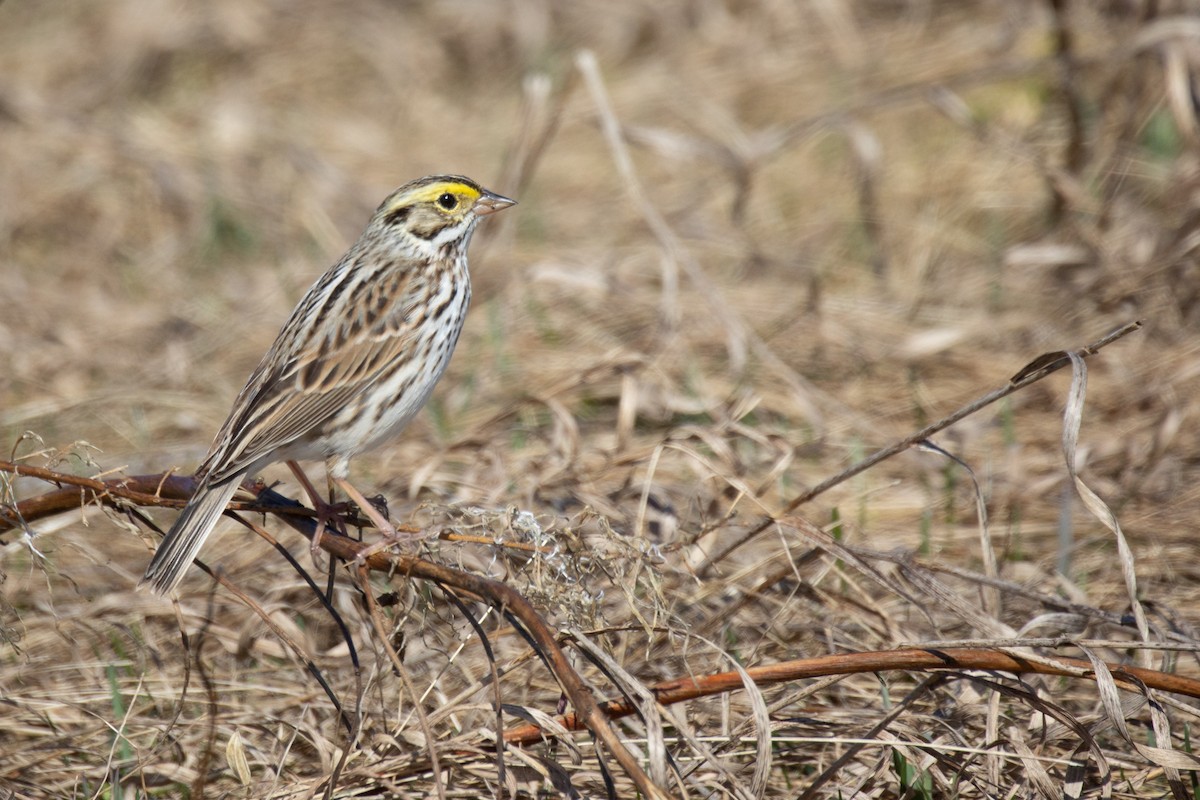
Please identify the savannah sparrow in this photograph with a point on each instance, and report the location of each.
(356, 360)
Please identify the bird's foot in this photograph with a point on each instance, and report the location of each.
(373, 512)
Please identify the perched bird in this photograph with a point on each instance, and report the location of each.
(354, 363)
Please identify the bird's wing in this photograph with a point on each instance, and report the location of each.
(312, 371)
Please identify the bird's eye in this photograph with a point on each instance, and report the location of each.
(447, 201)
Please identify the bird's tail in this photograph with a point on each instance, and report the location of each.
(187, 535)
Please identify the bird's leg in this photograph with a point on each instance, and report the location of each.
(305, 484)
(326, 511)
(390, 535)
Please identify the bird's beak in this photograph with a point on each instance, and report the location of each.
(490, 203)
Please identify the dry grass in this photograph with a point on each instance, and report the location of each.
(857, 215)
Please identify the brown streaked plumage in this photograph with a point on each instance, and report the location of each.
(356, 360)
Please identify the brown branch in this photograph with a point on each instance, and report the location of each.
(510, 601)
(164, 490)
(168, 490)
(142, 490)
(911, 659)
(172, 491)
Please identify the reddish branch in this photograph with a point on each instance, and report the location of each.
(142, 490)
(166, 490)
(912, 660)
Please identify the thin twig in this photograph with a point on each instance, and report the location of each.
(1033, 372)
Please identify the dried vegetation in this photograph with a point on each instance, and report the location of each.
(757, 241)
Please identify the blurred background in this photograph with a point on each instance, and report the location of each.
(756, 240)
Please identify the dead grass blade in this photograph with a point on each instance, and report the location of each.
(1072, 420)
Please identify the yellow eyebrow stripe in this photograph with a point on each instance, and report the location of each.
(427, 194)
